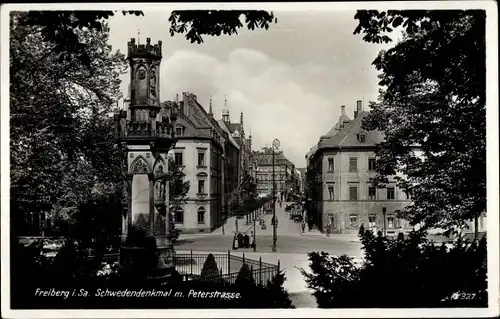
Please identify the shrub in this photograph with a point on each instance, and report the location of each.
(431, 276)
(245, 277)
(210, 270)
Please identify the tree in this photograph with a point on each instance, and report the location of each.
(432, 276)
(177, 195)
(210, 271)
(61, 152)
(58, 27)
(278, 297)
(434, 98)
(245, 277)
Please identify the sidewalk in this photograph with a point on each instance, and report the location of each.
(339, 237)
(230, 226)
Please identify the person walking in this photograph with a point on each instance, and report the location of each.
(361, 229)
(303, 227)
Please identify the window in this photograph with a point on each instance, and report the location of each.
(201, 215)
(390, 221)
(353, 164)
(390, 193)
(372, 192)
(201, 187)
(371, 220)
(178, 131)
(178, 159)
(330, 165)
(353, 220)
(201, 159)
(331, 192)
(179, 216)
(371, 164)
(353, 193)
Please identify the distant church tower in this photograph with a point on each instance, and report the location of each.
(145, 133)
(225, 112)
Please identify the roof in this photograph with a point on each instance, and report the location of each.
(234, 127)
(266, 159)
(348, 136)
(336, 128)
(223, 126)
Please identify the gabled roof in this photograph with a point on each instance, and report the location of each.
(224, 127)
(348, 136)
(336, 128)
(234, 127)
(190, 128)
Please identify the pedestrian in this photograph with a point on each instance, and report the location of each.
(303, 227)
(246, 241)
(235, 242)
(240, 240)
(361, 229)
(252, 239)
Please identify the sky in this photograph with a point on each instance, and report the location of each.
(289, 81)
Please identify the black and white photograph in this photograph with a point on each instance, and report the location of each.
(334, 159)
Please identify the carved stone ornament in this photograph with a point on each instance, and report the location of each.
(140, 167)
(142, 74)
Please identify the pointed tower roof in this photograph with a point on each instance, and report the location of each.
(210, 108)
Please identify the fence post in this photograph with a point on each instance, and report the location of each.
(228, 261)
(191, 261)
(260, 270)
(251, 271)
(243, 257)
(278, 267)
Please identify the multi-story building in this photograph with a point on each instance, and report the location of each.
(237, 132)
(199, 152)
(339, 170)
(341, 166)
(232, 165)
(284, 172)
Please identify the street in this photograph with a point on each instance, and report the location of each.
(292, 248)
(288, 233)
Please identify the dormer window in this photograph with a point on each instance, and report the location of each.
(362, 137)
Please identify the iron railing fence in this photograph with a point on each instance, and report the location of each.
(260, 276)
(192, 263)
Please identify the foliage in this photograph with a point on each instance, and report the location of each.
(61, 28)
(178, 190)
(434, 82)
(245, 276)
(72, 273)
(210, 270)
(62, 153)
(197, 23)
(276, 296)
(431, 276)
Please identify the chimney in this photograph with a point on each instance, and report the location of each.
(359, 107)
(342, 110)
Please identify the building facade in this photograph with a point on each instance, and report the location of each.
(232, 167)
(244, 146)
(284, 173)
(338, 175)
(340, 168)
(199, 151)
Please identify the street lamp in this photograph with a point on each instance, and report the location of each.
(276, 145)
(254, 213)
(384, 210)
